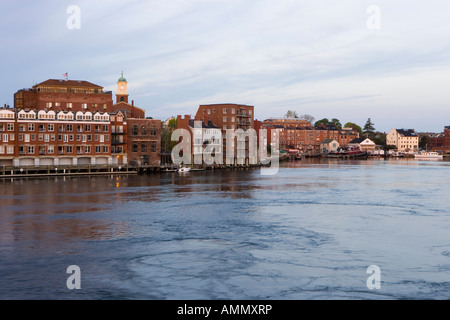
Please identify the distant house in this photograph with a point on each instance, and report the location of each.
(403, 139)
(329, 145)
(364, 144)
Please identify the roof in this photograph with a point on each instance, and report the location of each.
(122, 79)
(407, 132)
(210, 125)
(67, 83)
(358, 140)
(328, 140)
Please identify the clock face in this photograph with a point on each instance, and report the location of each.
(121, 88)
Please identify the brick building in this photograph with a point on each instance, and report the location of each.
(300, 135)
(73, 123)
(49, 138)
(142, 140)
(64, 95)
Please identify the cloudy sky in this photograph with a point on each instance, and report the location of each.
(325, 58)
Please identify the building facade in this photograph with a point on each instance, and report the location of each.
(300, 135)
(74, 123)
(142, 139)
(406, 140)
(49, 138)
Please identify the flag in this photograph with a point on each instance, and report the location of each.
(65, 75)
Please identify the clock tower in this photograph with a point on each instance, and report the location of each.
(122, 95)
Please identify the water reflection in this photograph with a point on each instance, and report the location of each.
(314, 226)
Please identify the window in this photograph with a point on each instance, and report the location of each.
(10, 126)
(105, 149)
(48, 104)
(50, 149)
(225, 110)
(31, 127)
(10, 149)
(144, 130)
(98, 149)
(2, 149)
(224, 119)
(134, 147)
(69, 128)
(102, 138)
(5, 138)
(153, 131)
(30, 149)
(41, 150)
(69, 105)
(87, 128)
(105, 128)
(84, 105)
(51, 127)
(87, 149)
(153, 146)
(69, 149)
(143, 147)
(135, 130)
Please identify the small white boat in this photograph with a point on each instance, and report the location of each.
(428, 155)
(183, 170)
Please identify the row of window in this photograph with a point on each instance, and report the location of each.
(143, 146)
(44, 150)
(61, 127)
(225, 111)
(144, 130)
(51, 137)
(69, 105)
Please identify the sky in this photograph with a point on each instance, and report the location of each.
(387, 60)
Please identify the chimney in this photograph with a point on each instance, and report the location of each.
(132, 103)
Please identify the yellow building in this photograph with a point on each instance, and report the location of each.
(403, 139)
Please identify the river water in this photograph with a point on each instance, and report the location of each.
(309, 232)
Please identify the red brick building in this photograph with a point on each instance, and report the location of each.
(227, 116)
(64, 95)
(143, 136)
(299, 134)
(72, 123)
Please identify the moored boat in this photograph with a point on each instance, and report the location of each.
(428, 155)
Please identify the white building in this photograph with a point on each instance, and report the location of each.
(403, 139)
